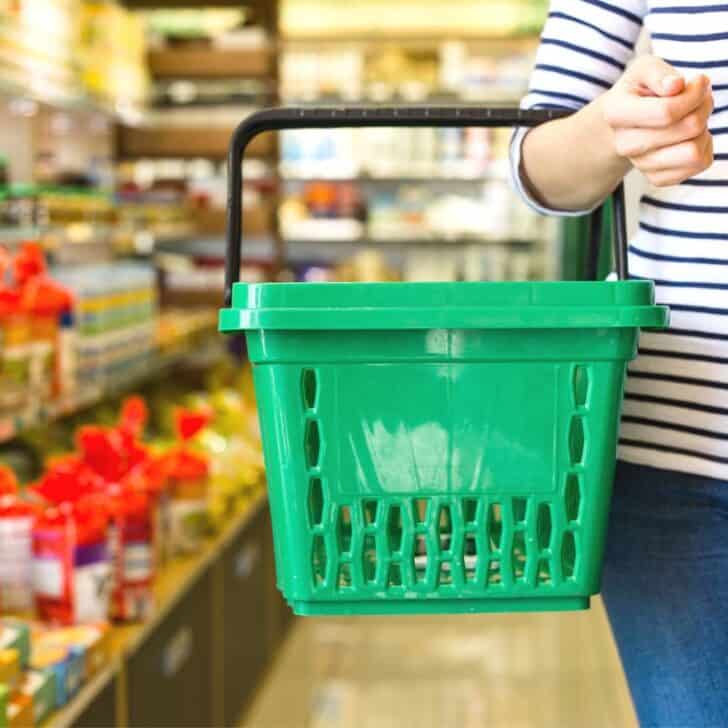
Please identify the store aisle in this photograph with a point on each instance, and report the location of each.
(514, 671)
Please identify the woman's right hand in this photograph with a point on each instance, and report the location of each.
(659, 122)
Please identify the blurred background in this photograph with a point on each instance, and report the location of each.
(114, 123)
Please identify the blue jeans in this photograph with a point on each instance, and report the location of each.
(665, 586)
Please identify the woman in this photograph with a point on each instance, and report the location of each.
(666, 573)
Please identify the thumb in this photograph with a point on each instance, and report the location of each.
(651, 76)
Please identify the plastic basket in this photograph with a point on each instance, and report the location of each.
(444, 447)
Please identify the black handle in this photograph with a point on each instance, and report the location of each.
(417, 116)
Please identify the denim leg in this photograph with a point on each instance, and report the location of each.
(665, 586)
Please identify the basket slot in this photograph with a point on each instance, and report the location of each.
(544, 528)
(568, 555)
(312, 444)
(369, 559)
(344, 530)
(319, 560)
(572, 497)
(577, 440)
(315, 502)
(309, 389)
(580, 386)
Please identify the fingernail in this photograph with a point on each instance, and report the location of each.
(668, 81)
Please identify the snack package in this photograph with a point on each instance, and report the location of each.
(65, 663)
(16, 553)
(188, 473)
(92, 640)
(20, 711)
(15, 635)
(72, 572)
(40, 687)
(10, 668)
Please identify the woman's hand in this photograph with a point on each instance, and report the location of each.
(659, 122)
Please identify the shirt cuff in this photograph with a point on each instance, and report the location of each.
(515, 157)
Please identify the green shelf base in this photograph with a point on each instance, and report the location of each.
(439, 606)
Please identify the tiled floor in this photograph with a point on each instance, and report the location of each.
(510, 671)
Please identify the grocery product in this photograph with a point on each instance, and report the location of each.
(67, 664)
(10, 667)
(92, 640)
(40, 687)
(20, 711)
(188, 473)
(16, 528)
(72, 571)
(15, 635)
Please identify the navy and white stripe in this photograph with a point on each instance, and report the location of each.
(676, 396)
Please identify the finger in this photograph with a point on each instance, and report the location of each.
(669, 177)
(695, 155)
(637, 142)
(652, 75)
(629, 110)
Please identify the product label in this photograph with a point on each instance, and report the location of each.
(91, 582)
(188, 520)
(137, 562)
(16, 560)
(48, 577)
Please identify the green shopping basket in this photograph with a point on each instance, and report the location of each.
(435, 447)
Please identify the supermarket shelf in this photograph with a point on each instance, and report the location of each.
(209, 63)
(390, 179)
(163, 363)
(68, 716)
(412, 41)
(213, 247)
(174, 581)
(186, 142)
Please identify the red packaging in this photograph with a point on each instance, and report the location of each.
(16, 553)
(131, 545)
(188, 473)
(71, 565)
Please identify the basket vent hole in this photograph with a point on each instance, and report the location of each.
(444, 522)
(369, 558)
(345, 529)
(420, 557)
(543, 526)
(394, 578)
(445, 576)
(344, 578)
(370, 512)
(518, 555)
(495, 526)
(312, 442)
(572, 496)
(318, 560)
(419, 510)
(470, 556)
(576, 440)
(544, 572)
(568, 555)
(581, 385)
(315, 501)
(519, 509)
(494, 572)
(470, 510)
(394, 528)
(309, 386)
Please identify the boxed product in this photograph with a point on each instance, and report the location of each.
(40, 687)
(10, 668)
(15, 635)
(20, 711)
(71, 565)
(93, 641)
(67, 664)
(16, 528)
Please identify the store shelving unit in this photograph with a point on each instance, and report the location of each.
(181, 667)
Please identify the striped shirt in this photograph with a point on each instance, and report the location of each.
(675, 412)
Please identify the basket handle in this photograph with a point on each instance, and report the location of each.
(417, 116)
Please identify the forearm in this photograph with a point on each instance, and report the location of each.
(572, 164)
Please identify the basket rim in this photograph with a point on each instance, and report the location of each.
(477, 305)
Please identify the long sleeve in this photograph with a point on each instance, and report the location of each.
(585, 47)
